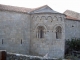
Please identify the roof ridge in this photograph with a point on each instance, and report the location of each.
(22, 9)
(18, 9)
(44, 6)
(11, 6)
(38, 8)
(71, 11)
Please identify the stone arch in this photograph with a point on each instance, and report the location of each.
(37, 32)
(37, 18)
(55, 18)
(60, 18)
(49, 18)
(58, 32)
(43, 18)
(33, 18)
(40, 32)
(57, 26)
(41, 24)
(58, 29)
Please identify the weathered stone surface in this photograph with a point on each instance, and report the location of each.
(49, 44)
(14, 27)
(72, 29)
(18, 32)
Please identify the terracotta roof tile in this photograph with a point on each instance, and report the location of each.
(21, 9)
(18, 9)
(13, 8)
(72, 15)
(71, 18)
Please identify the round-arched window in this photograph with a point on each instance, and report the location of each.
(58, 32)
(40, 32)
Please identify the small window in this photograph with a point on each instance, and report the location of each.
(40, 32)
(72, 26)
(58, 32)
(2, 41)
(21, 41)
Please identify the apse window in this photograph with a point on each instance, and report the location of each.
(40, 32)
(58, 32)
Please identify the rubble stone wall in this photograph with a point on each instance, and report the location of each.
(11, 56)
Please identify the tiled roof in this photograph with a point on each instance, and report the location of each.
(71, 18)
(45, 6)
(25, 10)
(38, 8)
(13, 8)
(72, 15)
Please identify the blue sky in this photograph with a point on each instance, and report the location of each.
(57, 5)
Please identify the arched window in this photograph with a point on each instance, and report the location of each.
(58, 32)
(40, 32)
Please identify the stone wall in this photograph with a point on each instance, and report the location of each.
(18, 33)
(72, 29)
(11, 56)
(49, 44)
(14, 32)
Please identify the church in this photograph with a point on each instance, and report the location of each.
(37, 31)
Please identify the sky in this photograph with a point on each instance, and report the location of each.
(57, 5)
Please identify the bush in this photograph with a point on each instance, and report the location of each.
(72, 45)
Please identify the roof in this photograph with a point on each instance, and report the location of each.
(71, 18)
(72, 15)
(27, 10)
(13, 8)
(43, 9)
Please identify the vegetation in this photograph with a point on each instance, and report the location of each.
(72, 46)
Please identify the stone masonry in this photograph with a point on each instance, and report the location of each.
(40, 31)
